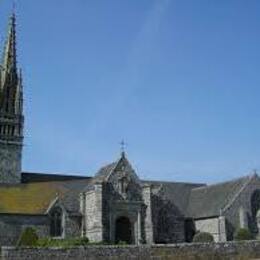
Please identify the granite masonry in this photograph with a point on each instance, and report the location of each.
(11, 112)
(115, 204)
(213, 251)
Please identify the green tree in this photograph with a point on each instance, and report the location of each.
(28, 237)
(243, 234)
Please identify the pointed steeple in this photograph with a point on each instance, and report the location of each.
(9, 56)
(11, 90)
(11, 111)
(10, 82)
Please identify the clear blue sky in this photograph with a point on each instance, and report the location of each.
(179, 80)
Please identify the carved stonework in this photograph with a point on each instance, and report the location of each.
(123, 183)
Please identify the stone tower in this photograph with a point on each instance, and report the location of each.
(11, 111)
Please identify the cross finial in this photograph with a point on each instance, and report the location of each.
(123, 145)
(14, 7)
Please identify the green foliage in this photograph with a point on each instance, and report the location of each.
(243, 234)
(28, 237)
(122, 243)
(50, 242)
(203, 237)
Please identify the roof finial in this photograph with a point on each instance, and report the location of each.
(14, 8)
(123, 145)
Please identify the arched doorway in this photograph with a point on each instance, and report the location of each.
(123, 230)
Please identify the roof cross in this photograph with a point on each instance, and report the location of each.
(123, 146)
(14, 7)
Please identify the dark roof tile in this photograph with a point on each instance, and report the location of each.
(208, 201)
(176, 192)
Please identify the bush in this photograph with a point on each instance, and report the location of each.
(50, 242)
(122, 243)
(203, 237)
(243, 234)
(28, 237)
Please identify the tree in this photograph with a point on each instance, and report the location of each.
(243, 234)
(28, 237)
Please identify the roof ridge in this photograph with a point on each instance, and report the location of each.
(223, 182)
(43, 183)
(250, 178)
(104, 167)
(113, 168)
(173, 182)
(56, 174)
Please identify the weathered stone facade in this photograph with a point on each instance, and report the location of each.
(12, 225)
(213, 251)
(10, 163)
(11, 112)
(239, 209)
(117, 194)
(114, 205)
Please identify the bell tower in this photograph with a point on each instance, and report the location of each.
(11, 111)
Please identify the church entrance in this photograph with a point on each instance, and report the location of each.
(123, 230)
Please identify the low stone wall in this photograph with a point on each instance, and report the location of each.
(213, 251)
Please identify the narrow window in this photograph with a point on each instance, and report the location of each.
(13, 128)
(56, 222)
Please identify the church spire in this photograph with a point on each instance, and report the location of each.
(10, 85)
(9, 56)
(11, 111)
(11, 90)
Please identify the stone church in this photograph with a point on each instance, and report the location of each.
(115, 204)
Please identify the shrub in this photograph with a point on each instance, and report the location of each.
(50, 242)
(81, 241)
(28, 237)
(203, 237)
(243, 234)
(122, 243)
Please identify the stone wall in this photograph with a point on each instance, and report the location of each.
(72, 226)
(214, 226)
(148, 222)
(11, 227)
(168, 222)
(93, 214)
(242, 203)
(10, 163)
(213, 251)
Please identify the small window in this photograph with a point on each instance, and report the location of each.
(56, 222)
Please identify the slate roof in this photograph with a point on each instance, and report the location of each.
(105, 171)
(35, 198)
(176, 192)
(28, 177)
(192, 199)
(208, 201)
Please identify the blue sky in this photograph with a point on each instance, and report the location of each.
(177, 79)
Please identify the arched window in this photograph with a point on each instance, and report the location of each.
(56, 222)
